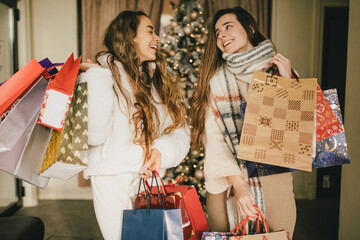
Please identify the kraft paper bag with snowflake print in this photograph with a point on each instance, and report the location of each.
(279, 122)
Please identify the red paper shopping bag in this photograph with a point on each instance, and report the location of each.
(58, 95)
(172, 200)
(190, 199)
(18, 85)
(327, 124)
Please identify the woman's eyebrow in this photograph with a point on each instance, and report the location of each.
(149, 26)
(216, 30)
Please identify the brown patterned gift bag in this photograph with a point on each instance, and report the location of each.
(261, 233)
(67, 151)
(279, 122)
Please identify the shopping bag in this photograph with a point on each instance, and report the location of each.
(331, 147)
(279, 235)
(194, 210)
(262, 231)
(22, 141)
(279, 122)
(150, 223)
(332, 150)
(327, 124)
(240, 231)
(58, 95)
(51, 67)
(170, 200)
(225, 235)
(18, 85)
(66, 154)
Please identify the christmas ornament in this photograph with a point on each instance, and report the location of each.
(187, 30)
(174, 24)
(172, 53)
(195, 153)
(194, 15)
(199, 174)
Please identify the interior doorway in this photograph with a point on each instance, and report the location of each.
(333, 72)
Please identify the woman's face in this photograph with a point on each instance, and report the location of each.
(231, 37)
(146, 40)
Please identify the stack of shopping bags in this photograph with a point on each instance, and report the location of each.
(37, 103)
(167, 199)
(290, 125)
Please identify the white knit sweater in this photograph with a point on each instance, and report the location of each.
(112, 150)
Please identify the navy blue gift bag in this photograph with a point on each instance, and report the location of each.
(152, 224)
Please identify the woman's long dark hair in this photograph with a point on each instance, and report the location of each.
(119, 41)
(210, 63)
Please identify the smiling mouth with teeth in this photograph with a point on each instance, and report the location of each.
(227, 43)
(154, 47)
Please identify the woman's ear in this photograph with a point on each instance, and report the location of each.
(252, 30)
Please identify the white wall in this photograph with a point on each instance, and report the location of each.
(293, 33)
(350, 191)
(6, 66)
(48, 28)
(7, 181)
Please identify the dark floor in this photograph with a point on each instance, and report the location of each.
(75, 219)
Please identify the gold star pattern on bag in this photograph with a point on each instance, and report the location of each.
(71, 144)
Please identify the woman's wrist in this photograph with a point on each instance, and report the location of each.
(237, 181)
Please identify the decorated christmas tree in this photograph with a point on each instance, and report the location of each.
(183, 44)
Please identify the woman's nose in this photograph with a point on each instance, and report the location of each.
(222, 35)
(157, 38)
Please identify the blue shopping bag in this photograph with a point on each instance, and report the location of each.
(152, 224)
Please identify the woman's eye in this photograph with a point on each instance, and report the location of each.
(151, 32)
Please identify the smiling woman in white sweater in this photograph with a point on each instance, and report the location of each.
(136, 120)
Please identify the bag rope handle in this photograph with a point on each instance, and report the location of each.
(157, 175)
(157, 185)
(243, 223)
(50, 68)
(237, 228)
(138, 192)
(274, 70)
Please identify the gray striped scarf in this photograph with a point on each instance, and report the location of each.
(227, 98)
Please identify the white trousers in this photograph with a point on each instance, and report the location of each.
(111, 195)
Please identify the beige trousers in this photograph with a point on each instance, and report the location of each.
(279, 204)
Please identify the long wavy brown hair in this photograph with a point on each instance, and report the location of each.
(211, 62)
(119, 41)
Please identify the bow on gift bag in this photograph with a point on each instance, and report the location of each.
(66, 154)
(151, 224)
(22, 141)
(58, 95)
(279, 122)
